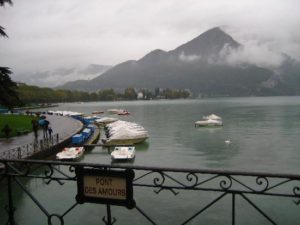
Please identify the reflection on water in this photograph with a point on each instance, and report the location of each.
(144, 146)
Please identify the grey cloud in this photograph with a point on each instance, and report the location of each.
(74, 33)
(94, 69)
(60, 76)
(64, 71)
(189, 58)
(259, 55)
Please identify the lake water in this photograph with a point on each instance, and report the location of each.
(264, 134)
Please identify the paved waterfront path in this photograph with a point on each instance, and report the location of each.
(64, 126)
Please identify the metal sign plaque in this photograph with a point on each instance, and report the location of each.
(113, 187)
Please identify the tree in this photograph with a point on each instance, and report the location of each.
(9, 96)
(107, 95)
(130, 94)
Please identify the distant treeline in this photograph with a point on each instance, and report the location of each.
(33, 94)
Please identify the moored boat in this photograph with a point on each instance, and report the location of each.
(123, 153)
(105, 120)
(124, 113)
(209, 121)
(212, 117)
(73, 153)
(115, 111)
(89, 135)
(124, 140)
(97, 112)
(124, 133)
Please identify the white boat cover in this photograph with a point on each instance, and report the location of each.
(123, 130)
(212, 117)
(106, 120)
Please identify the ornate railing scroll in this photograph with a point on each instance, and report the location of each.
(158, 181)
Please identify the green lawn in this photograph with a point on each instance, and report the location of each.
(19, 124)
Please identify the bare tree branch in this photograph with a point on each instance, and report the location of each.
(2, 32)
(2, 2)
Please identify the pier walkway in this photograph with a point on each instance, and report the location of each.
(62, 125)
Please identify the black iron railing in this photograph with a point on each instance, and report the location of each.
(25, 151)
(216, 187)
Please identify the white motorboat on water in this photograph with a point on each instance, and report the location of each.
(73, 153)
(123, 153)
(209, 121)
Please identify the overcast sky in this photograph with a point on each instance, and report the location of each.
(48, 34)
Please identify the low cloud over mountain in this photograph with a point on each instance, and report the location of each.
(56, 77)
(211, 64)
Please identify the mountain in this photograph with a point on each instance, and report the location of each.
(199, 65)
(207, 45)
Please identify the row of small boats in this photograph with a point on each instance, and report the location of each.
(71, 113)
(124, 133)
(75, 153)
(121, 134)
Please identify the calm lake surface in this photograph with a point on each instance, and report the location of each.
(264, 134)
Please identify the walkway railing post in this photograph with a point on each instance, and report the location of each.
(19, 153)
(108, 215)
(41, 145)
(109, 220)
(233, 209)
(10, 209)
